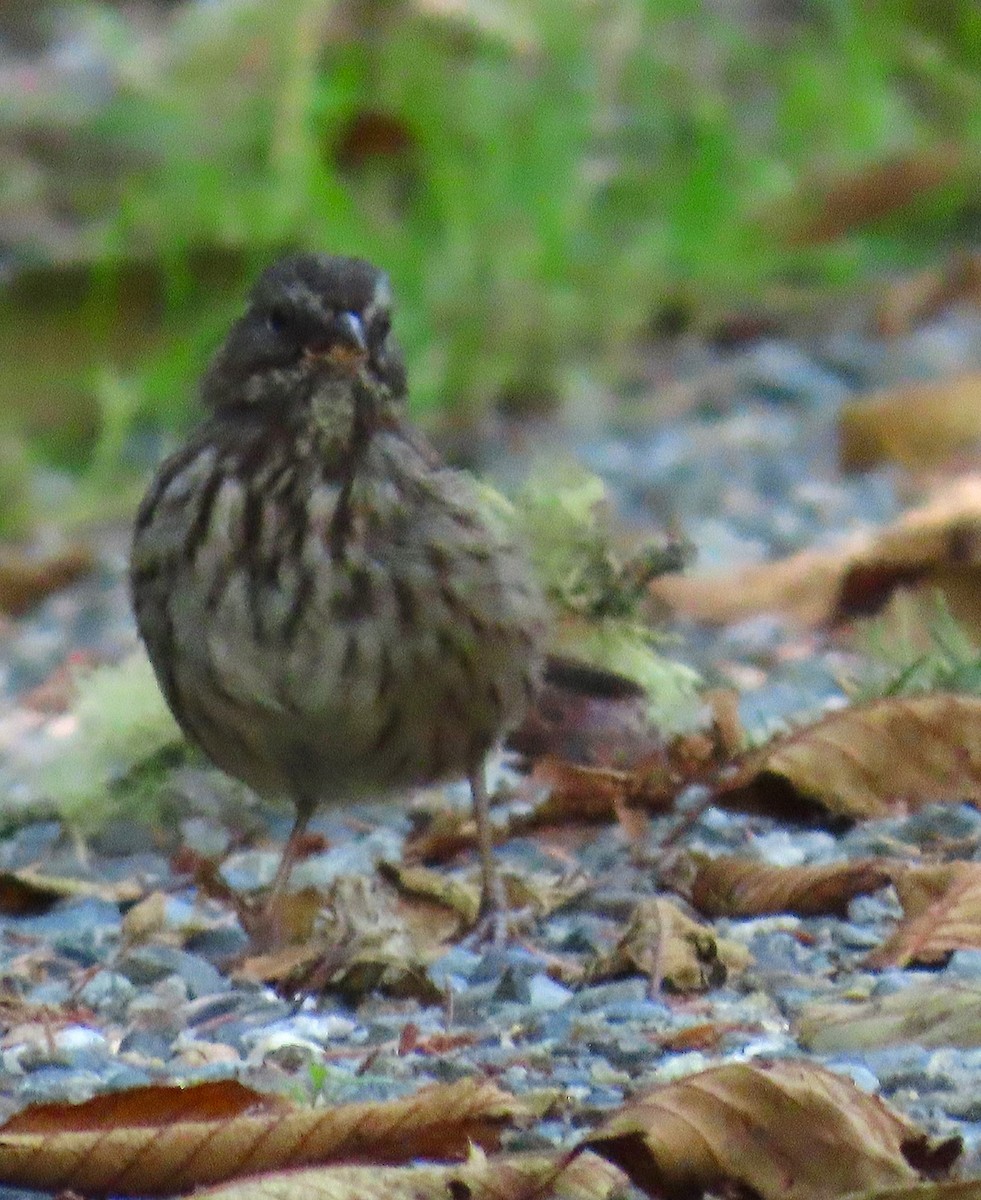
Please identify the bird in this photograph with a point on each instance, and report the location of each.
(331, 611)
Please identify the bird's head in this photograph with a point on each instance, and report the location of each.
(315, 340)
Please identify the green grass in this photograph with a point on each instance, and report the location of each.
(553, 182)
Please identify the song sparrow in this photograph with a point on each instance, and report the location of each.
(329, 609)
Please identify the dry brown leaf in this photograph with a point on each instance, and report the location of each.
(421, 883)
(728, 886)
(26, 580)
(28, 891)
(827, 209)
(151, 1107)
(288, 968)
(393, 966)
(958, 1189)
(916, 298)
(158, 1140)
(291, 920)
(926, 1014)
(705, 1035)
(442, 834)
(941, 913)
(787, 1131)
(574, 792)
(935, 546)
(146, 919)
(918, 425)
(542, 893)
(581, 793)
(804, 588)
(514, 1177)
(671, 949)
(460, 900)
(871, 760)
(363, 936)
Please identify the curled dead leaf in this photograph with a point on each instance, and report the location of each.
(582, 793)
(937, 545)
(671, 949)
(828, 208)
(789, 1130)
(25, 580)
(30, 892)
(916, 298)
(917, 425)
(942, 913)
(511, 1177)
(728, 886)
(957, 1189)
(871, 760)
(932, 1013)
(421, 883)
(155, 1141)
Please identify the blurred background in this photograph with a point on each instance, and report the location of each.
(558, 190)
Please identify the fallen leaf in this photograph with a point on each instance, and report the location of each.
(161, 1140)
(672, 950)
(728, 886)
(871, 760)
(391, 966)
(425, 884)
(434, 1043)
(804, 588)
(372, 134)
(826, 209)
(25, 580)
(146, 919)
(511, 1177)
(910, 301)
(786, 1131)
(941, 913)
(932, 1013)
(582, 793)
(937, 545)
(540, 892)
(151, 1107)
(917, 425)
(440, 835)
(29, 892)
(575, 792)
(957, 1189)
(706, 1035)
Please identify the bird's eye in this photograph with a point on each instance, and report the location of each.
(277, 319)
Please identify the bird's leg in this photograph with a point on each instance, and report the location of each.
(492, 916)
(268, 929)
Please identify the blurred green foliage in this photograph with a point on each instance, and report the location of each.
(918, 646)
(539, 178)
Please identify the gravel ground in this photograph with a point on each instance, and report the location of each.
(746, 476)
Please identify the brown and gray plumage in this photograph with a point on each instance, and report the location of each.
(329, 609)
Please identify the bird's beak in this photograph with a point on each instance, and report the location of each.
(346, 345)
(351, 332)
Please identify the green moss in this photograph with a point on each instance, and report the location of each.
(113, 762)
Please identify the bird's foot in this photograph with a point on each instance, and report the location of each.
(497, 925)
(492, 929)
